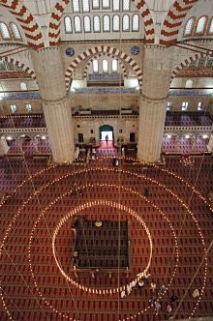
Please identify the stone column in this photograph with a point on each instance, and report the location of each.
(157, 66)
(3, 146)
(50, 76)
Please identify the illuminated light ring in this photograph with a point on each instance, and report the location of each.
(88, 205)
(73, 173)
(188, 210)
(199, 232)
(75, 283)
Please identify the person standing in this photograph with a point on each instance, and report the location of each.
(157, 307)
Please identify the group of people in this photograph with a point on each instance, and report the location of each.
(142, 280)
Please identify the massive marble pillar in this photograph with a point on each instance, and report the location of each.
(157, 66)
(50, 76)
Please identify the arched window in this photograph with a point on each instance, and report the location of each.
(3, 65)
(87, 24)
(200, 105)
(184, 105)
(114, 65)
(135, 22)
(106, 23)
(77, 23)
(105, 4)
(126, 22)
(85, 5)
(201, 25)
(15, 31)
(95, 65)
(76, 6)
(115, 5)
(211, 26)
(13, 109)
(68, 24)
(189, 83)
(28, 108)
(116, 23)
(188, 28)
(23, 86)
(105, 65)
(126, 5)
(169, 106)
(4, 31)
(96, 24)
(96, 4)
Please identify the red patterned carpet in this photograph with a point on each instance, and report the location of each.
(170, 233)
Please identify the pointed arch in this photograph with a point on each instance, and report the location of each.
(89, 53)
(186, 62)
(55, 20)
(25, 68)
(173, 21)
(27, 22)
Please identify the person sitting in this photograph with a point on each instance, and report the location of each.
(195, 293)
(162, 289)
(157, 307)
(168, 309)
(152, 301)
(173, 298)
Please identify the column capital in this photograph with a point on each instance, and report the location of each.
(152, 100)
(61, 100)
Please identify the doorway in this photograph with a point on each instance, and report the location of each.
(106, 136)
(132, 137)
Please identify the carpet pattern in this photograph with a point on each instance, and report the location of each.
(170, 234)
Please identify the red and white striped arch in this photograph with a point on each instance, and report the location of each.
(55, 20)
(186, 62)
(24, 68)
(173, 21)
(114, 52)
(27, 22)
(147, 20)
